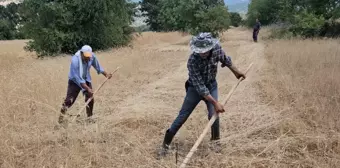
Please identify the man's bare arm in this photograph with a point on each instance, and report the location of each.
(238, 74)
(107, 75)
(218, 107)
(210, 99)
(87, 88)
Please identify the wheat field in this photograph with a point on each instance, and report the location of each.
(285, 114)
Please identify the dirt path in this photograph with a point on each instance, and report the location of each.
(133, 110)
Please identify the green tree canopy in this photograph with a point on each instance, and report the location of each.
(9, 22)
(151, 10)
(235, 19)
(64, 26)
(189, 16)
(307, 18)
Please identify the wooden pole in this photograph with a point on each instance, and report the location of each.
(89, 100)
(211, 122)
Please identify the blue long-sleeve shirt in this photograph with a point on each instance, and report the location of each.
(74, 73)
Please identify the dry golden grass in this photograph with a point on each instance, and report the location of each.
(301, 79)
(33, 91)
(283, 115)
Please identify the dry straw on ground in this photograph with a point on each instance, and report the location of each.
(285, 114)
(303, 74)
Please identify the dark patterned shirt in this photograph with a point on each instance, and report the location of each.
(203, 72)
(257, 26)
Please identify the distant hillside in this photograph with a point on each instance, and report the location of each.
(240, 6)
(235, 1)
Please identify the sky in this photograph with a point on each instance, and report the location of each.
(225, 1)
(230, 2)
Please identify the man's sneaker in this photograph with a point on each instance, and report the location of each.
(61, 121)
(162, 152)
(166, 144)
(216, 146)
(90, 120)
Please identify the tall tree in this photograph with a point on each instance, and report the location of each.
(307, 18)
(235, 19)
(151, 10)
(64, 26)
(9, 21)
(266, 10)
(190, 16)
(194, 16)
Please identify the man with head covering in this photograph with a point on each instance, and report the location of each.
(256, 30)
(201, 85)
(80, 80)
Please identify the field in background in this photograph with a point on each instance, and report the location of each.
(285, 114)
(302, 83)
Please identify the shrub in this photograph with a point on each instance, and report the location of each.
(220, 23)
(307, 24)
(280, 34)
(6, 30)
(142, 28)
(235, 19)
(194, 16)
(186, 16)
(9, 22)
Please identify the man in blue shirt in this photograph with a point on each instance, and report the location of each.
(80, 79)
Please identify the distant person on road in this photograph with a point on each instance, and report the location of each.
(80, 80)
(256, 30)
(201, 85)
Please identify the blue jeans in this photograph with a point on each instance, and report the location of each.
(191, 100)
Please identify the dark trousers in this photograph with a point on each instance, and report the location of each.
(191, 100)
(71, 96)
(255, 34)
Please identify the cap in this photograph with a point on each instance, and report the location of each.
(87, 51)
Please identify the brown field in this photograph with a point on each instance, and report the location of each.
(285, 114)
